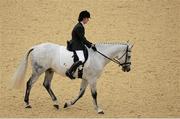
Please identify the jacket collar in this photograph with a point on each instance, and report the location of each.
(82, 23)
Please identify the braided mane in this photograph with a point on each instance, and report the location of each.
(113, 43)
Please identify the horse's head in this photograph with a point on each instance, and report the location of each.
(125, 58)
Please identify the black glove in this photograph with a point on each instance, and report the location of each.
(94, 47)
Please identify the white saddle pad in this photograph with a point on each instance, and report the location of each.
(67, 59)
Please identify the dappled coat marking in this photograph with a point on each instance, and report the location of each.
(50, 58)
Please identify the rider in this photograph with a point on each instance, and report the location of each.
(79, 42)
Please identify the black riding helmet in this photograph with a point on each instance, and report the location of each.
(83, 14)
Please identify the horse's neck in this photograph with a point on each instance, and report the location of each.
(110, 50)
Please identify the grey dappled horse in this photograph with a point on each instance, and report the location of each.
(50, 58)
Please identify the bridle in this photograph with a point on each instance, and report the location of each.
(117, 60)
(126, 58)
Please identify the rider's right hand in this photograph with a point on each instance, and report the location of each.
(94, 47)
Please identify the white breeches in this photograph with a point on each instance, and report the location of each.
(80, 55)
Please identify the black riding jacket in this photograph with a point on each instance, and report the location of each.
(78, 40)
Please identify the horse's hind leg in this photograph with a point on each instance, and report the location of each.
(37, 71)
(29, 84)
(47, 84)
(84, 84)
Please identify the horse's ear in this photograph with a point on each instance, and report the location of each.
(132, 45)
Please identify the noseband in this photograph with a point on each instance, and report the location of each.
(117, 61)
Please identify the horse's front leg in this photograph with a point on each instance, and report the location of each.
(94, 95)
(84, 84)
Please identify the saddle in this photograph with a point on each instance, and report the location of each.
(75, 58)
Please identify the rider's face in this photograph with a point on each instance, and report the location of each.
(85, 20)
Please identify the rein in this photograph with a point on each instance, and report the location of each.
(115, 60)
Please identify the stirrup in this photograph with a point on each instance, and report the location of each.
(68, 74)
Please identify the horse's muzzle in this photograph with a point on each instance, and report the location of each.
(126, 69)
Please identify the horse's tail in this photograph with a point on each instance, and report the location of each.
(18, 77)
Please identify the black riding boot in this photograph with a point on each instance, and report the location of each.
(72, 69)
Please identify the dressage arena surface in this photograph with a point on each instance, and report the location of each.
(151, 89)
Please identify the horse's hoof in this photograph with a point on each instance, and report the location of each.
(28, 106)
(65, 105)
(101, 112)
(56, 106)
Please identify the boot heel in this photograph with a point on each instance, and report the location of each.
(72, 69)
(68, 74)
